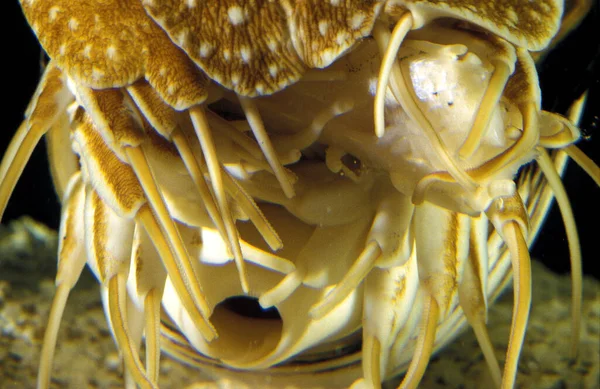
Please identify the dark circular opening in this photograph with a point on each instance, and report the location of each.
(247, 333)
(249, 307)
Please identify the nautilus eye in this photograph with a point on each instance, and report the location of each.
(309, 193)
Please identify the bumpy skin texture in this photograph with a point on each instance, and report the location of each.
(111, 44)
(529, 24)
(370, 217)
(322, 31)
(253, 48)
(244, 46)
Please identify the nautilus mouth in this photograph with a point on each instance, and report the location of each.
(253, 331)
(297, 212)
(246, 331)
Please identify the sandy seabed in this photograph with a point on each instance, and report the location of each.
(86, 356)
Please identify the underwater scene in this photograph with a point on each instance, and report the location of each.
(301, 194)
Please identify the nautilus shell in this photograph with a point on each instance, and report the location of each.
(349, 165)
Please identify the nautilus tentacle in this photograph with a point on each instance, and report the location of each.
(472, 292)
(48, 103)
(71, 260)
(298, 187)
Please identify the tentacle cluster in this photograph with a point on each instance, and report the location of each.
(203, 163)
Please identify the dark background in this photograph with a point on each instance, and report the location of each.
(570, 69)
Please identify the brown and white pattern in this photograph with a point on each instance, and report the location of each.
(350, 165)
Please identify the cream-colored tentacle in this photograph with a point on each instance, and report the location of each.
(402, 28)
(585, 162)
(116, 304)
(139, 163)
(489, 102)
(424, 347)
(510, 219)
(401, 92)
(50, 100)
(547, 167)
(258, 128)
(203, 133)
(71, 261)
(178, 277)
(473, 293)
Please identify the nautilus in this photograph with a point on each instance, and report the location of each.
(350, 165)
